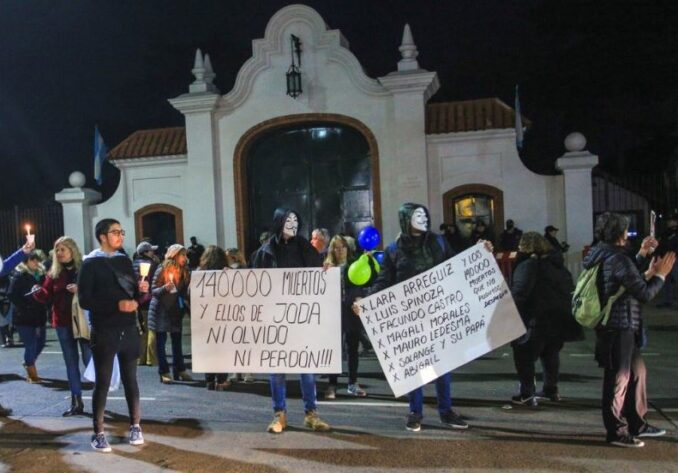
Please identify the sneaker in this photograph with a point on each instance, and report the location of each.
(454, 420)
(651, 431)
(355, 390)
(627, 441)
(182, 376)
(554, 397)
(331, 392)
(248, 378)
(278, 424)
(413, 422)
(529, 401)
(313, 422)
(99, 443)
(135, 435)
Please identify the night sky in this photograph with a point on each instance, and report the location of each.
(606, 68)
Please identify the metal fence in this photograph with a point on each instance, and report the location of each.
(47, 223)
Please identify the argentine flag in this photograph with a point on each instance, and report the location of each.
(519, 122)
(100, 152)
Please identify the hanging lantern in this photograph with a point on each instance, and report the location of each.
(293, 74)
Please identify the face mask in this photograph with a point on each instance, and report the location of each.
(419, 220)
(291, 226)
(233, 266)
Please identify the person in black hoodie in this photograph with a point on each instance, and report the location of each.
(30, 315)
(542, 290)
(415, 250)
(286, 249)
(108, 288)
(618, 343)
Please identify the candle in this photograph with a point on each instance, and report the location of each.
(143, 269)
(30, 238)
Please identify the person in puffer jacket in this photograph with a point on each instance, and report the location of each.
(618, 343)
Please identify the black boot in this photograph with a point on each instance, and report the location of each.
(77, 407)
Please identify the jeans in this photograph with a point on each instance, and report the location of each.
(443, 392)
(69, 348)
(177, 352)
(34, 342)
(106, 343)
(279, 391)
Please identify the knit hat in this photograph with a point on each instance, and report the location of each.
(174, 250)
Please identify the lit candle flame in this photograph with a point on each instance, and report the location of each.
(28, 229)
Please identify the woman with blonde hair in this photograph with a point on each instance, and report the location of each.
(59, 288)
(340, 255)
(542, 290)
(166, 312)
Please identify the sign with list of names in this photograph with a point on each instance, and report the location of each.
(266, 321)
(440, 319)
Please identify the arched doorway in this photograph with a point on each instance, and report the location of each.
(323, 166)
(163, 224)
(467, 204)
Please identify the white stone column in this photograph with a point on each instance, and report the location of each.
(198, 108)
(407, 169)
(76, 202)
(576, 166)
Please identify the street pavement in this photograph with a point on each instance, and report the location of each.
(189, 428)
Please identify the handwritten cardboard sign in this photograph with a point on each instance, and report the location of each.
(440, 319)
(266, 321)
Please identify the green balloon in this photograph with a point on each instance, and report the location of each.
(359, 272)
(377, 267)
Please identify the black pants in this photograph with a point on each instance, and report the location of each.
(351, 327)
(624, 402)
(106, 342)
(524, 357)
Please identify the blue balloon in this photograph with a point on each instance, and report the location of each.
(379, 256)
(369, 238)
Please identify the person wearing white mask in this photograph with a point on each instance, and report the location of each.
(286, 249)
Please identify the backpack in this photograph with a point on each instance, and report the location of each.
(586, 306)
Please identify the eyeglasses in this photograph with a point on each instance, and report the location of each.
(117, 232)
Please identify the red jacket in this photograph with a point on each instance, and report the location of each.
(54, 291)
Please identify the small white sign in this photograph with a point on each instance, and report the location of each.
(441, 319)
(266, 321)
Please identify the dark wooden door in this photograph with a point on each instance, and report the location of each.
(320, 170)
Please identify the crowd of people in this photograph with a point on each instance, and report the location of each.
(135, 304)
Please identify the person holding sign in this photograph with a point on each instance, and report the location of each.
(414, 251)
(286, 249)
(109, 289)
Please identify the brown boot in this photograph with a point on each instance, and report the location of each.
(32, 374)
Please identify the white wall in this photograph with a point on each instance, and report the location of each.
(489, 157)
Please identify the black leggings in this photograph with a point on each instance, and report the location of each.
(106, 342)
(352, 340)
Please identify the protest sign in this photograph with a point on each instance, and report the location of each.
(266, 321)
(440, 319)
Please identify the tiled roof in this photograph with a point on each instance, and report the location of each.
(155, 142)
(447, 117)
(469, 115)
